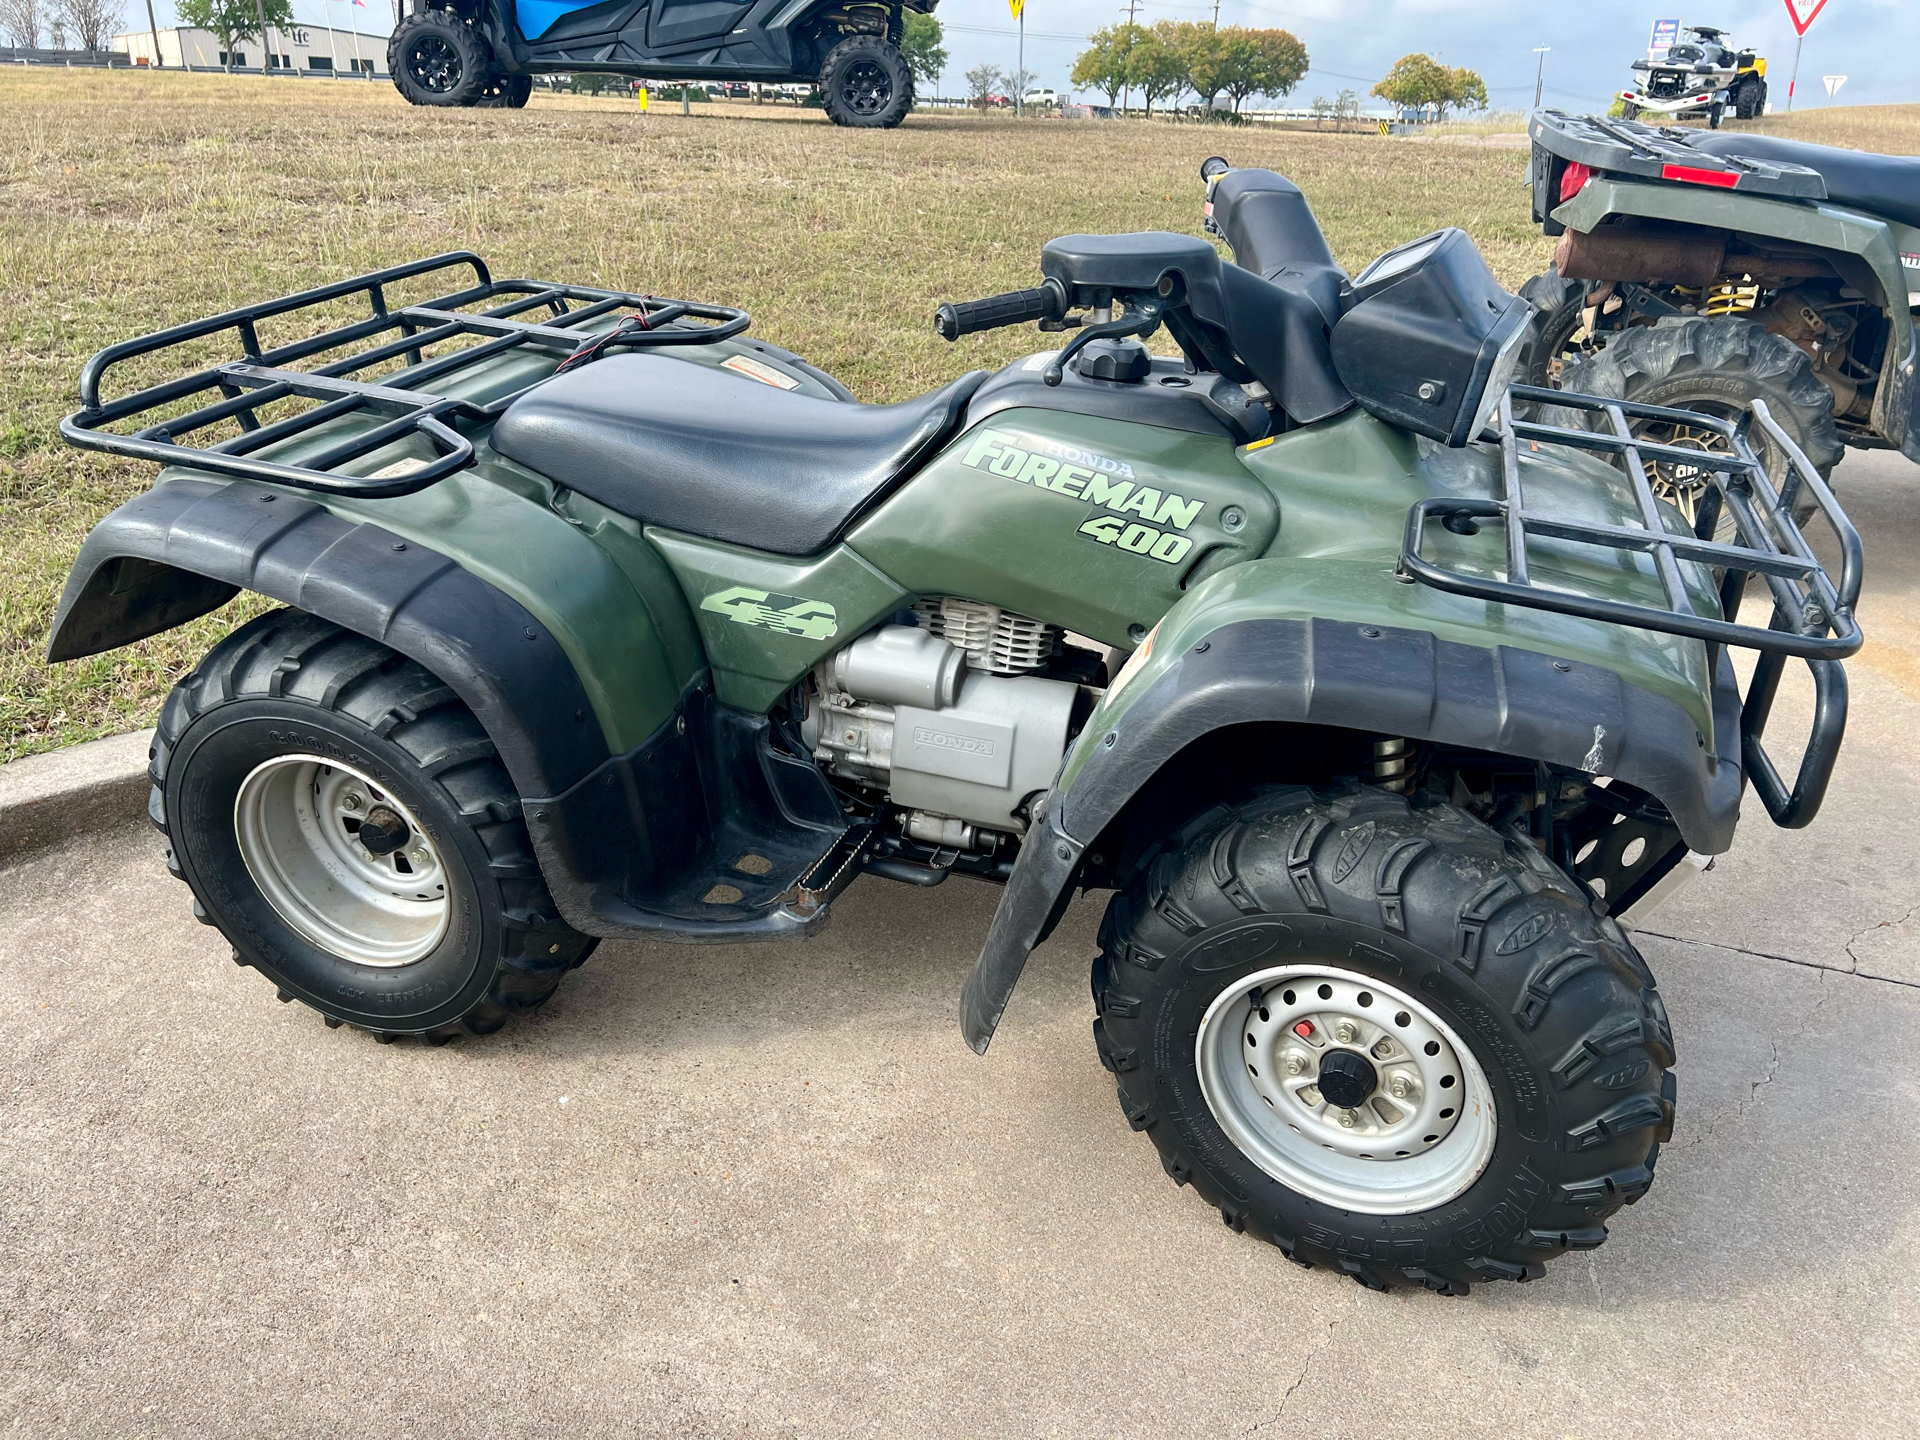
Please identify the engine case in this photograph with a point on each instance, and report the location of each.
(899, 709)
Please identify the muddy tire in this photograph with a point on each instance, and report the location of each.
(1716, 367)
(436, 59)
(1430, 960)
(345, 822)
(866, 83)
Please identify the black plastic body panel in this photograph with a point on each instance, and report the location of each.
(1396, 682)
(1169, 397)
(186, 547)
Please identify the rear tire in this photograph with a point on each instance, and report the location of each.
(506, 92)
(1747, 100)
(866, 83)
(1716, 367)
(286, 735)
(1450, 944)
(436, 59)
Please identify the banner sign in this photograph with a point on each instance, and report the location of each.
(1666, 34)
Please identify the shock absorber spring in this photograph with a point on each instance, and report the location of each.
(1727, 298)
(1393, 763)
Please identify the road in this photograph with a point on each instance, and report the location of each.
(769, 1192)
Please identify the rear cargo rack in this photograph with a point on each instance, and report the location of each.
(1812, 616)
(415, 397)
(1627, 147)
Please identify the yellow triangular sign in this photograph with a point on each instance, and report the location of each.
(1016, 6)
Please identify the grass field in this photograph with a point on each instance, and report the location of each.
(132, 201)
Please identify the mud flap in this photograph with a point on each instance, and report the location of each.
(1035, 897)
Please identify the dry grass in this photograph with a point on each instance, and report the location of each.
(129, 202)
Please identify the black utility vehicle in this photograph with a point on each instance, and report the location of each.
(486, 52)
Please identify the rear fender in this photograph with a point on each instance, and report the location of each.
(188, 546)
(1867, 251)
(1210, 669)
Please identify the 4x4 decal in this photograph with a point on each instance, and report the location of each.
(789, 614)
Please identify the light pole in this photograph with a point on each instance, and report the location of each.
(1540, 76)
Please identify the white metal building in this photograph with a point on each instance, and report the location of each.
(303, 49)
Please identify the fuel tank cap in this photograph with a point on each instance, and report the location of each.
(1126, 361)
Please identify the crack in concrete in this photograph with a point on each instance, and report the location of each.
(1298, 1381)
(1858, 935)
(1795, 959)
(1774, 1056)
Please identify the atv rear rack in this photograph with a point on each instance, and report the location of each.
(1626, 147)
(1812, 617)
(414, 398)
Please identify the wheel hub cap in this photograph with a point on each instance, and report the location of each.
(342, 861)
(1347, 1090)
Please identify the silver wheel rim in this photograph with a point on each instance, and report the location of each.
(1420, 1137)
(296, 819)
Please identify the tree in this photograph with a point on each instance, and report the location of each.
(92, 21)
(234, 21)
(983, 82)
(1260, 62)
(1103, 65)
(1156, 64)
(1421, 83)
(20, 19)
(1205, 47)
(923, 47)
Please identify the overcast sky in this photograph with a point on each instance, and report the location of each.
(1875, 43)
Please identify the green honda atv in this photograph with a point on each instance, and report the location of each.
(1381, 714)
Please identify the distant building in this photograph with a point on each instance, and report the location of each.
(304, 49)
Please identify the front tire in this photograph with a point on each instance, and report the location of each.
(1501, 1054)
(866, 83)
(437, 59)
(345, 822)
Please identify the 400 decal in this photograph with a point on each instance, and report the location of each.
(1137, 539)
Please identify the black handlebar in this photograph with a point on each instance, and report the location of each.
(1018, 307)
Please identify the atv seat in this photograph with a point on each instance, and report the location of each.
(1886, 185)
(699, 449)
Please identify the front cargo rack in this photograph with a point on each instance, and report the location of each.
(412, 395)
(1812, 617)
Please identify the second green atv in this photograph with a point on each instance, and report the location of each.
(1381, 714)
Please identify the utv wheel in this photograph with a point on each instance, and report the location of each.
(866, 83)
(1629, 112)
(436, 59)
(346, 823)
(1748, 101)
(1715, 367)
(506, 92)
(1383, 1038)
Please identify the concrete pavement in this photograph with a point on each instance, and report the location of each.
(768, 1191)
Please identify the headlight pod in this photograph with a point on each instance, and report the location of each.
(1430, 339)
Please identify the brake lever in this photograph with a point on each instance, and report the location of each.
(1131, 322)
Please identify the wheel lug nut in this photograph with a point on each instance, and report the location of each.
(1293, 1064)
(1383, 1049)
(1345, 1033)
(418, 854)
(1399, 1087)
(351, 801)
(1348, 1119)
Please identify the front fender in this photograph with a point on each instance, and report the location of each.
(1204, 675)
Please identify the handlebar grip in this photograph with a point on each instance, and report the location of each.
(964, 317)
